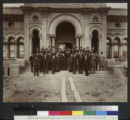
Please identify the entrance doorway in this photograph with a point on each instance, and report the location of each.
(95, 41)
(65, 35)
(65, 45)
(35, 42)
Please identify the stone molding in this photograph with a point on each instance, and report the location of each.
(47, 10)
(65, 18)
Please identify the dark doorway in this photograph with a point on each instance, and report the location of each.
(35, 42)
(65, 34)
(95, 41)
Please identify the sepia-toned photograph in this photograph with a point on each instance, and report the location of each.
(65, 52)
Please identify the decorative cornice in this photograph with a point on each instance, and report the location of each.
(113, 18)
(47, 10)
(13, 18)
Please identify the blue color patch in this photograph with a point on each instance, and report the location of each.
(101, 112)
(112, 112)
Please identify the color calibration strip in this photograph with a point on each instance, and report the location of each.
(77, 113)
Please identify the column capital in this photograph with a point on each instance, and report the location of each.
(78, 36)
(51, 35)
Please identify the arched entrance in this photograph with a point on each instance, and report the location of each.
(35, 41)
(95, 41)
(65, 35)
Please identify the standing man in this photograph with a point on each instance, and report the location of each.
(36, 65)
(80, 62)
(31, 60)
(44, 63)
(53, 63)
(102, 61)
(74, 62)
(57, 62)
(87, 62)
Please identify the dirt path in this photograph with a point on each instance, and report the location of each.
(51, 88)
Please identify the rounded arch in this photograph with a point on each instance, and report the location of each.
(108, 40)
(35, 28)
(95, 29)
(10, 35)
(119, 37)
(124, 37)
(110, 36)
(65, 18)
(19, 36)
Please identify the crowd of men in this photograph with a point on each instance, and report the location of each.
(73, 60)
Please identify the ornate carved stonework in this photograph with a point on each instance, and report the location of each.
(117, 18)
(13, 18)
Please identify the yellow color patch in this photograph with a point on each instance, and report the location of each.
(77, 113)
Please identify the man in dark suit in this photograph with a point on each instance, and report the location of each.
(36, 65)
(57, 62)
(80, 62)
(74, 62)
(53, 63)
(31, 60)
(87, 62)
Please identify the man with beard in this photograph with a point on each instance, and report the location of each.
(69, 61)
(74, 62)
(36, 65)
(87, 62)
(53, 63)
(31, 60)
(44, 63)
(57, 62)
(80, 62)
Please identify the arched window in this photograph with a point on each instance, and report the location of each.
(108, 42)
(20, 47)
(116, 47)
(125, 48)
(11, 47)
(5, 48)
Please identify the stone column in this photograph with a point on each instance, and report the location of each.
(53, 41)
(112, 51)
(40, 41)
(44, 32)
(90, 41)
(30, 37)
(87, 40)
(104, 33)
(16, 50)
(81, 40)
(78, 42)
(26, 36)
(120, 51)
(100, 45)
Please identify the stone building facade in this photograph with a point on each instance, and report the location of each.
(31, 27)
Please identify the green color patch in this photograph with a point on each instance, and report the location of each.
(89, 113)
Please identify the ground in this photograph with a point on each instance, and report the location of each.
(65, 87)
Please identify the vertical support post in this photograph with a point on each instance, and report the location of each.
(26, 36)
(87, 40)
(53, 41)
(103, 38)
(112, 51)
(44, 31)
(79, 42)
(120, 51)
